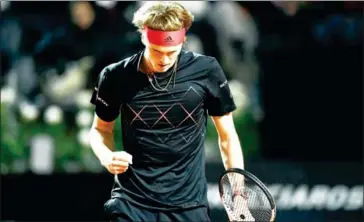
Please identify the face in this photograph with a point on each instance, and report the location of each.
(161, 58)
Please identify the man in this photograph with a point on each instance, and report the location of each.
(164, 95)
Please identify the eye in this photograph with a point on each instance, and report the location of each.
(171, 53)
(157, 52)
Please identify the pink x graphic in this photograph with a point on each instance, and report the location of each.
(137, 114)
(189, 114)
(163, 115)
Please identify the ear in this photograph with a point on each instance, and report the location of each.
(143, 38)
(184, 45)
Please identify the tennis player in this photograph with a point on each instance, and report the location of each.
(164, 95)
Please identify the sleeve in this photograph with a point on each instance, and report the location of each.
(105, 96)
(219, 100)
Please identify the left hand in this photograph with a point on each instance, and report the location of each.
(241, 208)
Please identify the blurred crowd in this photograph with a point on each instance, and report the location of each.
(295, 69)
(52, 52)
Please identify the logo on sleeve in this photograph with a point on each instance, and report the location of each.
(102, 101)
(223, 84)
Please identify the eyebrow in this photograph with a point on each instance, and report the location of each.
(165, 52)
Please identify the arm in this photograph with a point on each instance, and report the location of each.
(102, 143)
(107, 108)
(220, 105)
(102, 138)
(232, 156)
(230, 148)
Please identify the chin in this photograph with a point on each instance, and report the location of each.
(163, 69)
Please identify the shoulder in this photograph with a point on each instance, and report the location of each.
(214, 71)
(200, 60)
(190, 55)
(120, 68)
(121, 65)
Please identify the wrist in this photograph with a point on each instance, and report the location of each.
(105, 157)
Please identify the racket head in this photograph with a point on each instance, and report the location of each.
(252, 187)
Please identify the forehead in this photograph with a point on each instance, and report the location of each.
(165, 49)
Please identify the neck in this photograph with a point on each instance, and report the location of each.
(146, 65)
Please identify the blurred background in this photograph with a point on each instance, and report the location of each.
(295, 70)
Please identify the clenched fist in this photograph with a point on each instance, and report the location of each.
(117, 162)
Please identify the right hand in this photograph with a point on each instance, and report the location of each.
(117, 162)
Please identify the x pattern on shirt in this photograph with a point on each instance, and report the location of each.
(163, 116)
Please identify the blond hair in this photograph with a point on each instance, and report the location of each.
(163, 16)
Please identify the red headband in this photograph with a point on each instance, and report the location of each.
(165, 38)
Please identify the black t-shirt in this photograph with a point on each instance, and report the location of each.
(164, 131)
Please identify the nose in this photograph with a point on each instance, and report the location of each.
(165, 60)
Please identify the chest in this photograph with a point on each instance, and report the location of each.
(181, 105)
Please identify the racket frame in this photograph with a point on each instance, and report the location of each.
(254, 179)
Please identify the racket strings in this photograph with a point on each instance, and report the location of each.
(244, 200)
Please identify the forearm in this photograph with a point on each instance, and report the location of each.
(231, 152)
(102, 143)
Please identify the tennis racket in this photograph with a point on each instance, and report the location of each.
(245, 197)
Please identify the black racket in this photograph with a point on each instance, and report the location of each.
(245, 197)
